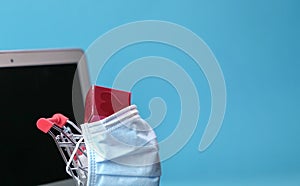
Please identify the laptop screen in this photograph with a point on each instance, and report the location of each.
(29, 156)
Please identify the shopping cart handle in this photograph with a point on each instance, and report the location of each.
(59, 120)
(44, 125)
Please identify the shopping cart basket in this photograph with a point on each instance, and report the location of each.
(70, 143)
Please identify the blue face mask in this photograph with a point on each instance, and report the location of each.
(122, 150)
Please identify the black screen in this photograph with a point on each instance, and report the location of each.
(29, 156)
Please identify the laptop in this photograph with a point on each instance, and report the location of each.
(35, 84)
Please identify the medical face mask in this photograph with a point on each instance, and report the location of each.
(122, 150)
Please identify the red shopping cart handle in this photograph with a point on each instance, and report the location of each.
(45, 124)
(59, 120)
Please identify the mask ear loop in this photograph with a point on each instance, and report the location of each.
(71, 159)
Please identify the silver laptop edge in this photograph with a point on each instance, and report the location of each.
(34, 57)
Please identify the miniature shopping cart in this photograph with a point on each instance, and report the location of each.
(70, 143)
(68, 137)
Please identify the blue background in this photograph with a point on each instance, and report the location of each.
(257, 46)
